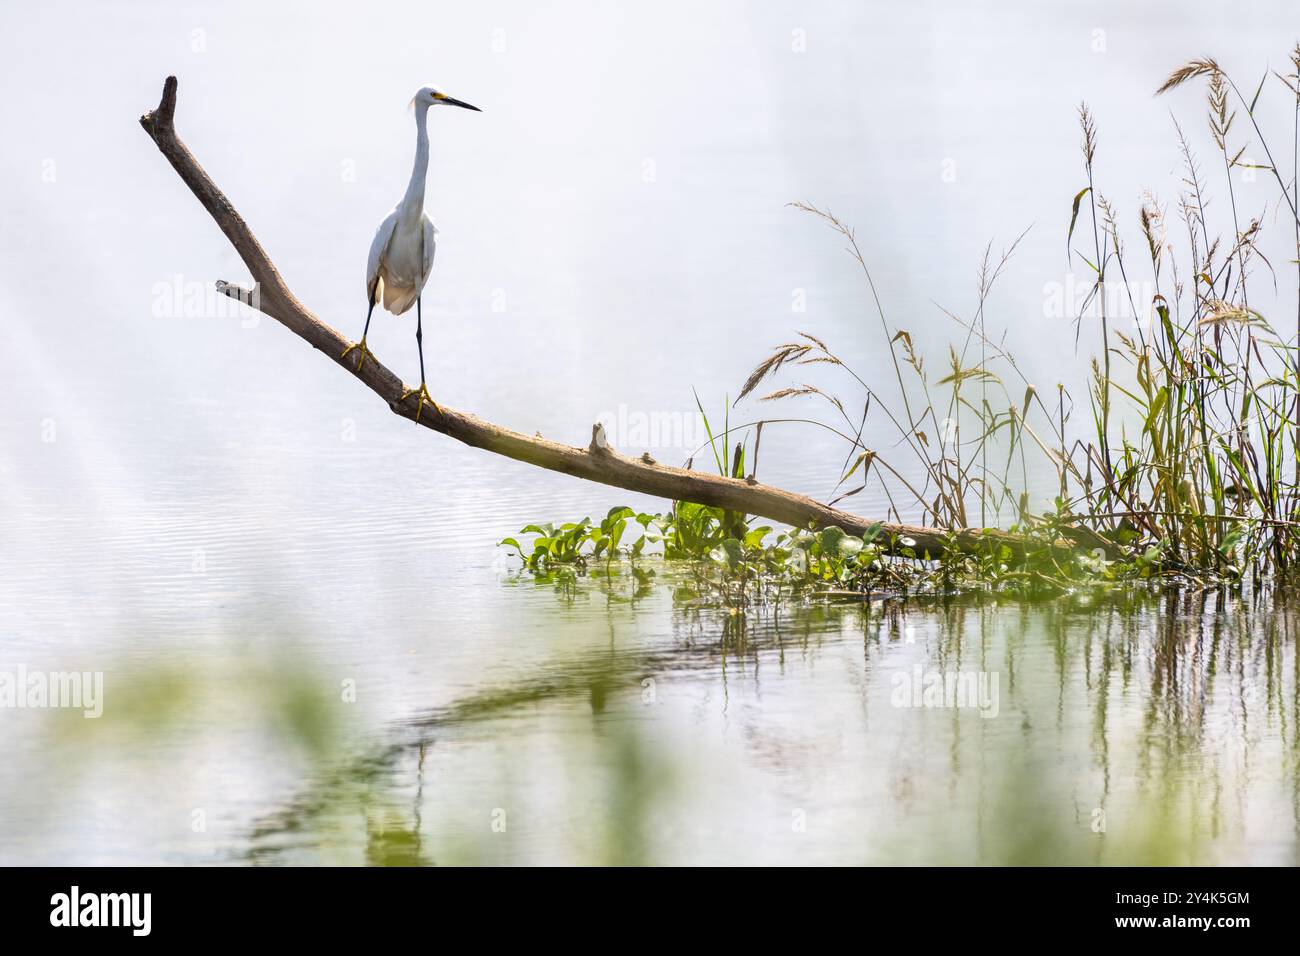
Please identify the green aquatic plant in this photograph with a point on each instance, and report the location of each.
(767, 567)
(575, 543)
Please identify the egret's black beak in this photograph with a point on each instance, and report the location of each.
(452, 102)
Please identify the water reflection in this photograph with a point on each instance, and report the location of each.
(1134, 728)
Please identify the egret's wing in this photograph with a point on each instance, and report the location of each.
(378, 249)
(430, 233)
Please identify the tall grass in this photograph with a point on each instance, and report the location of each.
(1190, 455)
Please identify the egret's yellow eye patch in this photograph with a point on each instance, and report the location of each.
(439, 96)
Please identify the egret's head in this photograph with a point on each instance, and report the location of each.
(432, 96)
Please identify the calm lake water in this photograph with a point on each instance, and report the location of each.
(311, 649)
(512, 721)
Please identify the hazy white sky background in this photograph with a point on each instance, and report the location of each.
(134, 444)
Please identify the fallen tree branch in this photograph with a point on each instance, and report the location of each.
(597, 462)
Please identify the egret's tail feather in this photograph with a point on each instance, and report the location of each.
(398, 300)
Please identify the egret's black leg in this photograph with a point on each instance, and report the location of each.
(369, 312)
(423, 390)
(362, 344)
(419, 336)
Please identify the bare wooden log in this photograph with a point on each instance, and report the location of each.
(598, 462)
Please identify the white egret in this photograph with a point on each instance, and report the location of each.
(401, 254)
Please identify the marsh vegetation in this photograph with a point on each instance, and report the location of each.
(1176, 461)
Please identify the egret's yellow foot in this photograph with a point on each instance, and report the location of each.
(423, 392)
(357, 346)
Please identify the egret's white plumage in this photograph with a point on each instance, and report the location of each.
(401, 254)
(401, 258)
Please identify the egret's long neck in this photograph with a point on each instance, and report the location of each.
(413, 202)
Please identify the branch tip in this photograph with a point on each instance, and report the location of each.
(162, 118)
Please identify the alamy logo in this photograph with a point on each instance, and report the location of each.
(102, 909)
(84, 690)
(977, 690)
